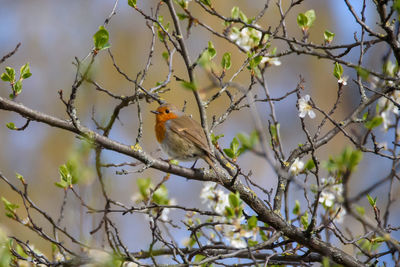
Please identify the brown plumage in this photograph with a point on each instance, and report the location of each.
(180, 136)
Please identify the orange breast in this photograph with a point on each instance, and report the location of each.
(160, 131)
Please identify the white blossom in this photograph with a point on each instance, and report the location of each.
(343, 80)
(59, 257)
(271, 61)
(305, 108)
(296, 167)
(215, 199)
(246, 38)
(327, 198)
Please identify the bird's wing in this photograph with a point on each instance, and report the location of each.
(190, 129)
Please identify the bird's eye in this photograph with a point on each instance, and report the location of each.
(167, 111)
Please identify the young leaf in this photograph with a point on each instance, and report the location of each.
(310, 165)
(17, 87)
(328, 36)
(337, 71)
(206, 2)
(310, 14)
(243, 17)
(11, 126)
(229, 152)
(211, 50)
(5, 77)
(372, 201)
(304, 220)
(296, 209)
(189, 85)
(9, 206)
(214, 138)
(302, 20)
(235, 12)
(144, 185)
(100, 39)
(132, 3)
(373, 123)
(226, 61)
(11, 72)
(252, 222)
(362, 72)
(25, 72)
(20, 177)
(234, 200)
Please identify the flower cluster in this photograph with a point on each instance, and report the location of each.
(331, 197)
(232, 223)
(246, 38)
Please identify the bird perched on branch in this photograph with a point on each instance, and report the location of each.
(180, 136)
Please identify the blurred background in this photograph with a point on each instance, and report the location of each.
(52, 33)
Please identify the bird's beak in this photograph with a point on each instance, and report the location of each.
(155, 111)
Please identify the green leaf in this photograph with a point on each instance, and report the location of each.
(254, 62)
(243, 17)
(25, 71)
(11, 207)
(229, 212)
(373, 123)
(226, 61)
(5, 77)
(234, 200)
(254, 137)
(296, 209)
(211, 50)
(165, 55)
(132, 3)
(235, 145)
(189, 85)
(362, 72)
(65, 176)
(310, 165)
(182, 16)
(229, 152)
(61, 184)
(372, 201)
(160, 196)
(206, 2)
(302, 20)
(252, 222)
(274, 131)
(11, 126)
(100, 39)
(17, 88)
(365, 115)
(214, 138)
(310, 14)
(144, 185)
(328, 36)
(304, 220)
(245, 140)
(337, 71)
(11, 72)
(235, 12)
(360, 210)
(20, 177)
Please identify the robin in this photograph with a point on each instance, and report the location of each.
(180, 136)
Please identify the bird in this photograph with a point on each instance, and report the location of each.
(181, 137)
